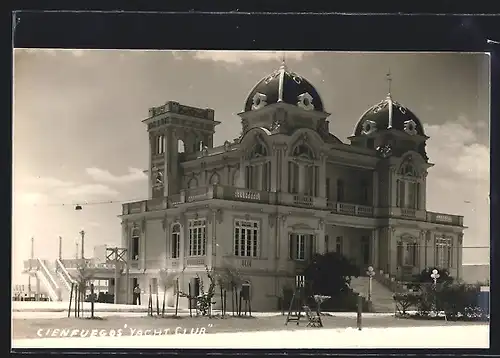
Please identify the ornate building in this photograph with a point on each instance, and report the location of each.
(285, 189)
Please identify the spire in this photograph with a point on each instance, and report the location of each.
(282, 71)
(283, 61)
(389, 82)
(389, 97)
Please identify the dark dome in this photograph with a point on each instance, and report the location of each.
(388, 114)
(284, 86)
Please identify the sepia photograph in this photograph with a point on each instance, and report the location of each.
(250, 199)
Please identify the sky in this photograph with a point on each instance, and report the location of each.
(78, 136)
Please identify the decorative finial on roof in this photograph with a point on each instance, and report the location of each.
(283, 61)
(389, 82)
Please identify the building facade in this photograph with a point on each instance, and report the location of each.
(285, 189)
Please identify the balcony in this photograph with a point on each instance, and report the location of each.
(445, 219)
(350, 209)
(221, 192)
(245, 263)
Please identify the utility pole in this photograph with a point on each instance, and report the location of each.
(117, 256)
(60, 247)
(32, 257)
(83, 243)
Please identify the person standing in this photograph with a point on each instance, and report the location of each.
(137, 295)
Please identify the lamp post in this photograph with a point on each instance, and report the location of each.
(370, 273)
(82, 233)
(435, 275)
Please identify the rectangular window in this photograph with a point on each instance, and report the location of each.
(197, 237)
(160, 144)
(339, 244)
(246, 238)
(135, 248)
(176, 242)
(265, 176)
(443, 252)
(301, 246)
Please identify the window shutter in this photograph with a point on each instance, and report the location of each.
(290, 246)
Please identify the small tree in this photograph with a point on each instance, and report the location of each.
(85, 273)
(329, 274)
(167, 280)
(205, 299)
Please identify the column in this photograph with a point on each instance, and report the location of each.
(150, 161)
(422, 250)
(375, 188)
(182, 246)
(228, 180)
(242, 179)
(274, 170)
(374, 259)
(392, 255)
(322, 177)
(125, 236)
(320, 238)
(142, 243)
(459, 255)
(394, 187)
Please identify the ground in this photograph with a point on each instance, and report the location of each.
(143, 325)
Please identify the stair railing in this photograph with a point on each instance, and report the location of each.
(390, 282)
(48, 275)
(52, 293)
(64, 274)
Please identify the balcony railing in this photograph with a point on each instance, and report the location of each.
(247, 263)
(446, 219)
(224, 193)
(350, 209)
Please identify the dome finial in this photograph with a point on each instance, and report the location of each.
(389, 82)
(283, 61)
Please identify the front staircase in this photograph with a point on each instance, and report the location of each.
(381, 296)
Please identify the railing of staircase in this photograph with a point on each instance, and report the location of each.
(389, 282)
(68, 280)
(48, 275)
(52, 293)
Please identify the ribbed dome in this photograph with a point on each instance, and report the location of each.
(386, 115)
(284, 86)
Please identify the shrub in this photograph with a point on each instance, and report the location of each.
(329, 274)
(406, 300)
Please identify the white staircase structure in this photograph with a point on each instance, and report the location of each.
(381, 297)
(53, 276)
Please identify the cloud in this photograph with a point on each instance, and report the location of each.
(105, 176)
(455, 145)
(53, 52)
(242, 57)
(44, 190)
(460, 180)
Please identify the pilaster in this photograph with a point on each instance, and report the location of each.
(375, 189)
(375, 249)
(322, 176)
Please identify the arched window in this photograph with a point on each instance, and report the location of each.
(192, 183)
(214, 179)
(303, 150)
(176, 241)
(259, 150)
(408, 189)
(134, 244)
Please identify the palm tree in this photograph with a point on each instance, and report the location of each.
(168, 279)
